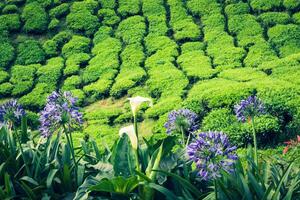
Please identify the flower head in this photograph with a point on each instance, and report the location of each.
(135, 103)
(249, 108)
(212, 153)
(129, 130)
(11, 111)
(59, 111)
(182, 119)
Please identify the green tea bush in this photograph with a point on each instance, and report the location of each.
(196, 65)
(54, 24)
(215, 22)
(36, 99)
(103, 33)
(287, 62)
(35, 17)
(131, 72)
(259, 53)
(286, 38)
(71, 83)
(22, 77)
(203, 7)
(10, 9)
(107, 4)
(10, 22)
(30, 52)
(74, 62)
(60, 10)
(192, 46)
(155, 43)
(51, 72)
(132, 30)
(79, 94)
(242, 74)
(291, 4)
(269, 19)
(265, 5)
(108, 16)
(62, 38)
(129, 7)
(157, 25)
(4, 76)
(5, 89)
(50, 47)
(106, 115)
(296, 17)
(43, 3)
(81, 18)
(237, 9)
(7, 53)
(105, 60)
(78, 44)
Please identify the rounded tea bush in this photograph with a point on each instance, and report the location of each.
(30, 52)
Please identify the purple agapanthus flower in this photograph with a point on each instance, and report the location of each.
(11, 111)
(212, 153)
(183, 119)
(248, 108)
(59, 111)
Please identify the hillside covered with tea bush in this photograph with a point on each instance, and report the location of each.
(205, 55)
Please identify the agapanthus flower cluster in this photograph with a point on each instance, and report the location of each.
(11, 111)
(212, 153)
(183, 119)
(60, 111)
(248, 108)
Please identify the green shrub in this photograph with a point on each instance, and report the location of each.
(79, 94)
(78, 44)
(43, 3)
(186, 29)
(155, 43)
(296, 17)
(132, 30)
(103, 33)
(4, 76)
(33, 119)
(51, 72)
(109, 17)
(10, 22)
(62, 38)
(286, 38)
(242, 74)
(105, 60)
(203, 7)
(103, 114)
(22, 77)
(127, 8)
(50, 47)
(196, 65)
(7, 53)
(237, 9)
(265, 5)
(74, 63)
(81, 18)
(36, 99)
(9, 9)
(5, 89)
(54, 24)
(259, 53)
(291, 4)
(272, 18)
(107, 4)
(71, 83)
(30, 52)
(60, 11)
(157, 25)
(215, 22)
(192, 46)
(35, 17)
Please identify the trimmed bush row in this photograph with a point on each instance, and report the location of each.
(7, 52)
(30, 52)
(22, 78)
(131, 72)
(10, 22)
(108, 17)
(183, 25)
(155, 13)
(107, 4)
(129, 7)
(60, 10)
(74, 62)
(78, 44)
(132, 30)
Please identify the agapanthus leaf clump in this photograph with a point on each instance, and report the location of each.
(60, 111)
(11, 111)
(182, 120)
(248, 108)
(212, 153)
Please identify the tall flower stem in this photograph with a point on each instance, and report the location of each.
(182, 135)
(137, 149)
(254, 140)
(216, 190)
(23, 156)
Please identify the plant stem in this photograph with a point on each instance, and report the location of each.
(182, 134)
(216, 190)
(137, 149)
(72, 152)
(23, 156)
(254, 141)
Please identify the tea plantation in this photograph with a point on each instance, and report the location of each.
(205, 55)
